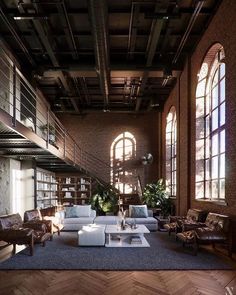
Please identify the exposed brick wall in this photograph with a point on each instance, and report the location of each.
(222, 30)
(96, 132)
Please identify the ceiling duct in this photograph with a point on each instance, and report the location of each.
(98, 15)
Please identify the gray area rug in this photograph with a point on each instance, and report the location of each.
(164, 253)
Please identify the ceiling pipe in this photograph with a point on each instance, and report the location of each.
(98, 15)
(188, 30)
(16, 36)
(62, 9)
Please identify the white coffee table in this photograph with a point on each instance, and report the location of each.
(116, 237)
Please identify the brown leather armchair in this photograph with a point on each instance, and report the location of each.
(216, 229)
(14, 231)
(51, 222)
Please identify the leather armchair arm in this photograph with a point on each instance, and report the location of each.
(36, 225)
(14, 234)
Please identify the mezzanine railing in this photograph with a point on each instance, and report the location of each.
(27, 106)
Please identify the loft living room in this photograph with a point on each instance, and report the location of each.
(117, 157)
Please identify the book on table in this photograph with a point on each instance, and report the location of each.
(135, 240)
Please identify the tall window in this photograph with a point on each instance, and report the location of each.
(210, 127)
(171, 144)
(123, 151)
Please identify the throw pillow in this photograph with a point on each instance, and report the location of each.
(83, 210)
(71, 212)
(139, 211)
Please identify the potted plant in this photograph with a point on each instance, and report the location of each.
(105, 199)
(155, 196)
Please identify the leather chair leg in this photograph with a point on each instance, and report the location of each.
(195, 248)
(14, 249)
(32, 246)
(230, 249)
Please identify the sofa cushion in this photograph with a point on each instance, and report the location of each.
(106, 220)
(83, 210)
(71, 212)
(139, 212)
(79, 220)
(145, 220)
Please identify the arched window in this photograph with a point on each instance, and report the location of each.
(210, 126)
(123, 151)
(171, 144)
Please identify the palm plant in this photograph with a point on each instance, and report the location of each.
(104, 199)
(155, 196)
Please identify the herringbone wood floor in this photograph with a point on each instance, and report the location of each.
(40, 282)
(117, 282)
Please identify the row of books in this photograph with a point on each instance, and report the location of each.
(135, 240)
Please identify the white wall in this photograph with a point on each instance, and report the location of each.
(4, 186)
(16, 187)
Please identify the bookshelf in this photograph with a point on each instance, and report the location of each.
(73, 189)
(46, 189)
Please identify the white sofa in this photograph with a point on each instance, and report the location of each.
(150, 222)
(76, 223)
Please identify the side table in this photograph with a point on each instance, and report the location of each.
(160, 223)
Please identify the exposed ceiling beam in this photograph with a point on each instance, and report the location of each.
(133, 28)
(193, 18)
(67, 28)
(99, 21)
(151, 49)
(44, 36)
(91, 73)
(16, 36)
(52, 11)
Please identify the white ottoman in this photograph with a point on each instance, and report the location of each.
(92, 235)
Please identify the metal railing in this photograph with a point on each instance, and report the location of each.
(28, 107)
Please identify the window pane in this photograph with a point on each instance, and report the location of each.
(207, 189)
(207, 148)
(214, 97)
(199, 193)
(200, 128)
(222, 114)
(199, 170)
(207, 124)
(222, 188)
(222, 70)
(207, 169)
(222, 90)
(214, 189)
(174, 164)
(201, 88)
(214, 145)
(207, 97)
(214, 119)
(215, 79)
(199, 107)
(222, 166)
(222, 141)
(214, 167)
(200, 149)
(174, 177)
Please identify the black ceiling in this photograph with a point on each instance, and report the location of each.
(97, 55)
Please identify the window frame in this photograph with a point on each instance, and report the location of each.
(118, 169)
(171, 158)
(211, 134)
